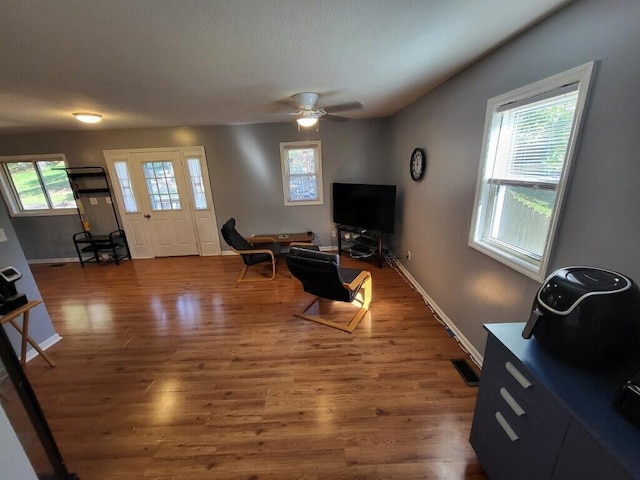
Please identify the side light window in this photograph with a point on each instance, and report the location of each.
(122, 171)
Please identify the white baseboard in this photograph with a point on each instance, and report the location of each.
(49, 342)
(464, 343)
(54, 260)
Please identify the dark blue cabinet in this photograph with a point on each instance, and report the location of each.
(539, 418)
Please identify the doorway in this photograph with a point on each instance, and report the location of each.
(165, 201)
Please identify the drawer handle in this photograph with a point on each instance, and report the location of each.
(515, 406)
(515, 373)
(513, 436)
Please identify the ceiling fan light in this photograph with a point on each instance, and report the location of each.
(88, 117)
(307, 121)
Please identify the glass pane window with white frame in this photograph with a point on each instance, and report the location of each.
(301, 173)
(162, 186)
(36, 185)
(197, 183)
(126, 189)
(529, 142)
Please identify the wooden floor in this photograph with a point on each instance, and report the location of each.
(169, 369)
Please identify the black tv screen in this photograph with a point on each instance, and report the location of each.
(370, 207)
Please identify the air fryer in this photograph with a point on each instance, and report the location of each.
(583, 313)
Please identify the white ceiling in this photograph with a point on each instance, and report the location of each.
(150, 63)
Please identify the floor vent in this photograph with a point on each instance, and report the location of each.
(466, 372)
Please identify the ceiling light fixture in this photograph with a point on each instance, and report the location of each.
(307, 121)
(88, 117)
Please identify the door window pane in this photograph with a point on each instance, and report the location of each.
(161, 186)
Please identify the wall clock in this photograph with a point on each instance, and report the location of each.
(417, 164)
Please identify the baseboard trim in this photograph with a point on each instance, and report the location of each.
(49, 342)
(53, 260)
(463, 341)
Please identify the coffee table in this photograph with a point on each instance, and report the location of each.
(284, 239)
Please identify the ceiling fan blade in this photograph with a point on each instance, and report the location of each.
(343, 107)
(334, 118)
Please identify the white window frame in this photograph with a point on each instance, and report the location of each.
(11, 196)
(529, 265)
(284, 161)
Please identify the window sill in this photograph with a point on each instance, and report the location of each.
(531, 270)
(48, 213)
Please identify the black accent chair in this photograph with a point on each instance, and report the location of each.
(321, 275)
(251, 254)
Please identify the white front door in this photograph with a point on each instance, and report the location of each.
(165, 201)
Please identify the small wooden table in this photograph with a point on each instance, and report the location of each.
(284, 239)
(24, 330)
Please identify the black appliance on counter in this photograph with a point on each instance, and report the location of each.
(10, 299)
(582, 313)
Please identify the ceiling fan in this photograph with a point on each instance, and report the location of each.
(309, 112)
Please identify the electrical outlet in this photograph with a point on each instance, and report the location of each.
(108, 200)
(333, 233)
(408, 255)
(3, 236)
(93, 200)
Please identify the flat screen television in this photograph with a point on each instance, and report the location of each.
(370, 207)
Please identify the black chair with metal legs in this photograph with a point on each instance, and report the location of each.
(322, 276)
(251, 254)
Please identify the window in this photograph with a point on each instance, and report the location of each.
(301, 173)
(529, 142)
(197, 183)
(126, 189)
(36, 185)
(161, 185)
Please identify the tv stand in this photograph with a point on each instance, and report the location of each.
(357, 235)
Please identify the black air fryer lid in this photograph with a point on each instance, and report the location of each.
(567, 287)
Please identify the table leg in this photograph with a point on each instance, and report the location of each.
(25, 335)
(26, 338)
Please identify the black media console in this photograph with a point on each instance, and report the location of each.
(360, 243)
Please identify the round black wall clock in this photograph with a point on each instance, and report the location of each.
(417, 164)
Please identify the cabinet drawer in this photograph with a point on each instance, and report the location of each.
(509, 441)
(524, 387)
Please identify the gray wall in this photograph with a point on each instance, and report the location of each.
(244, 165)
(600, 225)
(11, 254)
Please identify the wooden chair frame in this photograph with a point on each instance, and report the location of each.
(366, 288)
(245, 267)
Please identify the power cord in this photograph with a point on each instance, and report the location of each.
(391, 261)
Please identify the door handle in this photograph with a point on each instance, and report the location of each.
(147, 216)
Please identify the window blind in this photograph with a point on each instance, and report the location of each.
(533, 139)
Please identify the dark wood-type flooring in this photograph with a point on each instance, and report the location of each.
(169, 369)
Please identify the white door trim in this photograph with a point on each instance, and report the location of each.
(204, 221)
